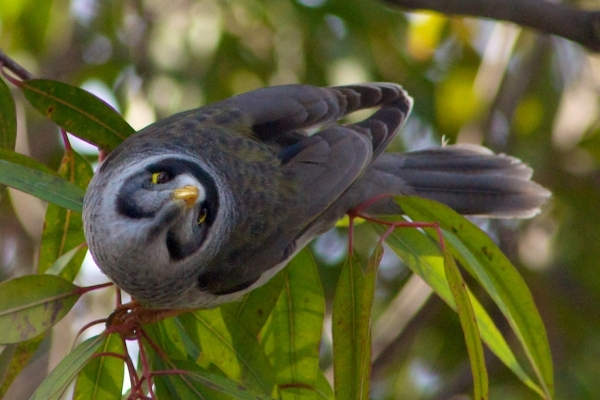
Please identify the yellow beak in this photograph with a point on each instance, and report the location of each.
(189, 194)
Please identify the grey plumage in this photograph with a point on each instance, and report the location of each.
(267, 188)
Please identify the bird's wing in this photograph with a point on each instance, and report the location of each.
(270, 113)
(326, 164)
(322, 166)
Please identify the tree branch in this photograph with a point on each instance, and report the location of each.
(559, 19)
(12, 66)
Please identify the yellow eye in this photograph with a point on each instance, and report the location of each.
(202, 216)
(159, 177)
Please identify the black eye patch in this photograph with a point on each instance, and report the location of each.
(166, 171)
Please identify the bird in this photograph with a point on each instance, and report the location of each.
(200, 208)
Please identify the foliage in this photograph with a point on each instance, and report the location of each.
(476, 81)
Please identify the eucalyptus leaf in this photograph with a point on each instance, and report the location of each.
(59, 379)
(292, 336)
(31, 304)
(480, 256)
(468, 322)
(351, 328)
(78, 112)
(423, 257)
(230, 347)
(14, 359)
(63, 228)
(192, 382)
(102, 377)
(42, 185)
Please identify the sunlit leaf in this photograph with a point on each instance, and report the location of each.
(351, 328)
(469, 326)
(78, 112)
(192, 382)
(61, 262)
(63, 228)
(292, 336)
(230, 347)
(31, 304)
(42, 185)
(55, 384)
(324, 389)
(102, 377)
(485, 262)
(172, 338)
(8, 118)
(423, 257)
(254, 310)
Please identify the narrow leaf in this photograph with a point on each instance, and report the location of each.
(422, 256)
(77, 111)
(22, 159)
(192, 382)
(480, 256)
(8, 118)
(254, 310)
(55, 384)
(231, 348)
(324, 389)
(351, 329)
(42, 185)
(469, 327)
(19, 354)
(31, 304)
(172, 338)
(292, 337)
(61, 262)
(63, 228)
(102, 376)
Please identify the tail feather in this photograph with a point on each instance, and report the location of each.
(470, 179)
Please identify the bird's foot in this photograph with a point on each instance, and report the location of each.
(128, 318)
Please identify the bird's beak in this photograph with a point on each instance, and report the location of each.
(188, 193)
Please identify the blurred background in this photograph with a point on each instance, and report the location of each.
(476, 81)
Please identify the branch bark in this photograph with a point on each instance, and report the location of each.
(11, 65)
(559, 19)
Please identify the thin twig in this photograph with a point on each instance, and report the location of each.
(14, 67)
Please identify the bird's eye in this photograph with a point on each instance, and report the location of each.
(202, 215)
(160, 177)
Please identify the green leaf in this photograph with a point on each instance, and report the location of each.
(61, 262)
(256, 307)
(19, 355)
(324, 389)
(485, 262)
(21, 159)
(63, 228)
(193, 382)
(468, 322)
(230, 347)
(42, 185)
(55, 384)
(31, 304)
(172, 338)
(292, 337)
(8, 118)
(351, 328)
(423, 257)
(102, 376)
(78, 112)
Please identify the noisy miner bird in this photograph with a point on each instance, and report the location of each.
(204, 206)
